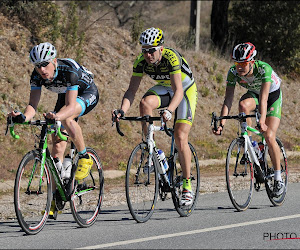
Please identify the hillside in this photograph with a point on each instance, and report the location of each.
(109, 54)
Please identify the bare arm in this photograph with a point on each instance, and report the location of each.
(34, 99)
(263, 99)
(227, 102)
(129, 95)
(226, 107)
(176, 84)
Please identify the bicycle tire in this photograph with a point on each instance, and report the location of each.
(87, 197)
(141, 184)
(177, 180)
(269, 181)
(239, 175)
(31, 200)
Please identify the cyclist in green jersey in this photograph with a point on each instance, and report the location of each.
(263, 86)
(175, 91)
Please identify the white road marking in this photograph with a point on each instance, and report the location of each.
(204, 230)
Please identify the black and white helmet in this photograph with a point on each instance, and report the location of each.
(42, 53)
(244, 52)
(152, 37)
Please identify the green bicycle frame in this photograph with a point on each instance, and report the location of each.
(45, 156)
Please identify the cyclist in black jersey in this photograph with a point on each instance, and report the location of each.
(175, 91)
(77, 95)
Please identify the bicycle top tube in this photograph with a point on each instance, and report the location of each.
(56, 130)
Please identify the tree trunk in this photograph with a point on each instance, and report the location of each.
(219, 23)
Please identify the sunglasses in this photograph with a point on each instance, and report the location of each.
(150, 50)
(43, 64)
(242, 64)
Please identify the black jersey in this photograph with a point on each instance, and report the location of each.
(69, 75)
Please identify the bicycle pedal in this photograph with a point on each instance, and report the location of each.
(243, 160)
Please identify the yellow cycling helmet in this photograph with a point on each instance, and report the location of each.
(152, 37)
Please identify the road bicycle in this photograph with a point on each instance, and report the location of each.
(245, 170)
(33, 183)
(146, 178)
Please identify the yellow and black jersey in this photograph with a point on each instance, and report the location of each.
(172, 62)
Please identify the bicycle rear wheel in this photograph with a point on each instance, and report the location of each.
(87, 197)
(239, 175)
(141, 183)
(177, 177)
(32, 193)
(276, 201)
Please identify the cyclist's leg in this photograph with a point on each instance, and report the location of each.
(273, 121)
(156, 97)
(247, 104)
(181, 134)
(184, 119)
(270, 136)
(59, 146)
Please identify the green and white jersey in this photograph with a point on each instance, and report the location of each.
(262, 72)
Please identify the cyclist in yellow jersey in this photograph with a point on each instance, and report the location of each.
(175, 91)
(263, 86)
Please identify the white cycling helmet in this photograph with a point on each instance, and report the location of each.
(152, 37)
(42, 53)
(244, 52)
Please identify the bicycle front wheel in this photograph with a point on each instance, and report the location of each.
(141, 183)
(87, 197)
(177, 177)
(32, 193)
(239, 175)
(276, 201)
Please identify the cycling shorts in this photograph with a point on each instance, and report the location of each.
(88, 99)
(185, 111)
(274, 102)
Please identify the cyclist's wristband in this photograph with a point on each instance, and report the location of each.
(19, 118)
(119, 111)
(222, 126)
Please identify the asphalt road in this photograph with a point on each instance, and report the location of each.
(214, 225)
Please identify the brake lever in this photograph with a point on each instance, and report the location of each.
(214, 121)
(9, 123)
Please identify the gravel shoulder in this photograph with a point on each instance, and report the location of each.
(114, 189)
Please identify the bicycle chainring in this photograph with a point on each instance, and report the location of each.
(60, 204)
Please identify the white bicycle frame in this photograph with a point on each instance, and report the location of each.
(151, 145)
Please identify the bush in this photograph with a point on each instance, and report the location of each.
(272, 26)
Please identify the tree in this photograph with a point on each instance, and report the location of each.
(219, 24)
(126, 10)
(272, 26)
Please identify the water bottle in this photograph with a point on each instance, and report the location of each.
(58, 163)
(257, 149)
(163, 159)
(164, 164)
(66, 167)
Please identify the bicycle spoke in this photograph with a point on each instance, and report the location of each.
(239, 175)
(276, 201)
(87, 198)
(141, 184)
(178, 180)
(32, 194)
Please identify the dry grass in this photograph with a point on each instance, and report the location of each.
(109, 55)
